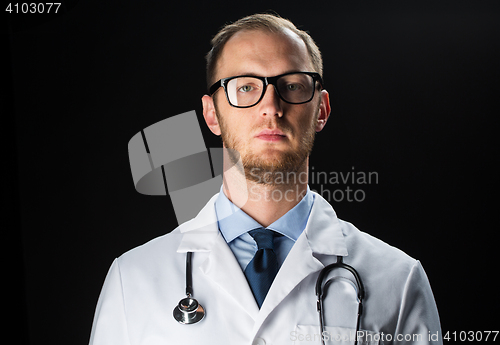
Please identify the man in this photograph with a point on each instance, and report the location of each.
(259, 245)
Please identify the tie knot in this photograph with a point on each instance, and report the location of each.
(263, 237)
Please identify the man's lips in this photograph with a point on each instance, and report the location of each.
(271, 135)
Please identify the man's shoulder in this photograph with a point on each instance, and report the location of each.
(361, 244)
(375, 253)
(159, 249)
(163, 249)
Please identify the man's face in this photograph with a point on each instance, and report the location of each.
(272, 136)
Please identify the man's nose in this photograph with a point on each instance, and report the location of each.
(271, 102)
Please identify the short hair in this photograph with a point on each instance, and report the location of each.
(266, 22)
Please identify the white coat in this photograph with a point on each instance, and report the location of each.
(145, 284)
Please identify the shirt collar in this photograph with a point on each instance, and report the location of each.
(234, 222)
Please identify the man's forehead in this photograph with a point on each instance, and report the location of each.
(252, 47)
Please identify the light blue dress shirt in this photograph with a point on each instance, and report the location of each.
(234, 225)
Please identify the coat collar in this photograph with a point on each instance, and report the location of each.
(201, 231)
(323, 231)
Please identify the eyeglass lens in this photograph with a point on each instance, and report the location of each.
(292, 88)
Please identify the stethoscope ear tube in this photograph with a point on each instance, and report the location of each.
(339, 264)
(320, 289)
(189, 311)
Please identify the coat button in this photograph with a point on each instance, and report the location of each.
(259, 341)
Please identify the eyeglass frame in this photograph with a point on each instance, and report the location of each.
(266, 81)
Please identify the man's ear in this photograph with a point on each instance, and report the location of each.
(324, 110)
(209, 114)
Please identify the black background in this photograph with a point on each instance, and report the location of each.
(414, 94)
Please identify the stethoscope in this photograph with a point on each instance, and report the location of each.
(189, 311)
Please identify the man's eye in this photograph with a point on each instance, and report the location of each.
(245, 88)
(293, 87)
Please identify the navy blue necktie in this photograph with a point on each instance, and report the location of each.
(262, 269)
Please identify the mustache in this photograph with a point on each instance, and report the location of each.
(285, 128)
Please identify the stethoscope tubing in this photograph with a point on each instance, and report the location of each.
(182, 310)
(189, 274)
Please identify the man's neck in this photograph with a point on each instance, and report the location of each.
(264, 202)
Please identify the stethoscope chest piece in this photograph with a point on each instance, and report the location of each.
(188, 311)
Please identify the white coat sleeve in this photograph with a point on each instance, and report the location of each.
(418, 321)
(110, 324)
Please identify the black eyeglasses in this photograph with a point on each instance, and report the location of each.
(245, 91)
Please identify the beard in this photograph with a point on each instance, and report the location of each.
(281, 169)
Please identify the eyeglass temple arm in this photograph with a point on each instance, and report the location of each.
(214, 87)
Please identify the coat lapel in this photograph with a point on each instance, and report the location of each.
(322, 235)
(222, 268)
(202, 234)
